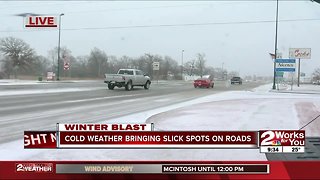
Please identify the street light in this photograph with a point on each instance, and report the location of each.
(182, 64)
(59, 46)
(275, 49)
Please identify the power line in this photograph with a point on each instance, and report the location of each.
(139, 8)
(170, 25)
(310, 122)
(124, 9)
(189, 24)
(38, 4)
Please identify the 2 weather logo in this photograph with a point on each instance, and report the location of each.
(34, 167)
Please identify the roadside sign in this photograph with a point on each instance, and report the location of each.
(156, 65)
(66, 66)
(279, 73)
(285, 65)
(300, 53)
(50, 75)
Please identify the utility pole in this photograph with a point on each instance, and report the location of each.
(58, 72)
(182, 64)
(275, 48)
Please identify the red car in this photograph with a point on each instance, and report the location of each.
(204, 82)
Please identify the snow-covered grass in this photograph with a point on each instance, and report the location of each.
(8, 82)
(19, 82)
(231, 111)
(4, 82)
(303, 88)
(45, 91)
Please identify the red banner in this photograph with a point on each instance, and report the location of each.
(155, 170)
(40, 139)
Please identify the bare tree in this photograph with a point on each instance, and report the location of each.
(6, 67)
(79, 66)
(19, 53)
(200, 64)
(98, 61)
(173, 67)
(113, 65)
(53, 57)
(190, 67)
(233, 74)
(149, 60)
(316, 74)
(210, 71)
(125, 61)
(40, 66)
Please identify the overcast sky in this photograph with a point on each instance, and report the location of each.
(223, 30)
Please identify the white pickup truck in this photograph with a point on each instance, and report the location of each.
(127, 78)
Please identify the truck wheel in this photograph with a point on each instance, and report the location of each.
(110, 86)
(147, 85)
(129, 86)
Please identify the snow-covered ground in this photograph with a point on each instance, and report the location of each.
(235, 110)
(18, 82)
(45, 91)
(303, 88)
(33, 82)
(14, 82)
(4, 82)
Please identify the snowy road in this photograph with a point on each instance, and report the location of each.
(170, 107)
(38, 106)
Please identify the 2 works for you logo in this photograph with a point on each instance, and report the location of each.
(34, 167)
(282, 138)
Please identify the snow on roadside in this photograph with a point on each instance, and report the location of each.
(234, 110)
(45, 91)
(303, 88)
(4, 82)
(8, 82)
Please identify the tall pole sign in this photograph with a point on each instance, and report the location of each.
(299, 53)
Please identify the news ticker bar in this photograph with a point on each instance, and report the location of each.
(162, 168)
(143, 136)
(143, 139)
